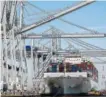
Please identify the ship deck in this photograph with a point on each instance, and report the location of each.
(66, 74)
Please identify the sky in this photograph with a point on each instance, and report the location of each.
(92, 16)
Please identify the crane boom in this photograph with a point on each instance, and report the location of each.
(57, 15)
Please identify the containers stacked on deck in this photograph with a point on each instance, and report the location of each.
(52, 67)
(60, 67)
(84, 66)
(71, 67)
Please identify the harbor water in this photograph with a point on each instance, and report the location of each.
(52, 96)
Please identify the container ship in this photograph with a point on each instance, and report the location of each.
(74, 75)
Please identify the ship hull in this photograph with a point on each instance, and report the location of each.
(76, 83)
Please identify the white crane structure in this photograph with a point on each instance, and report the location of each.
(57, 15)
(31, 65)
(82, 35)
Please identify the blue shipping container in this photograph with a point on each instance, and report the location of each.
(74, 68)
(28, 48)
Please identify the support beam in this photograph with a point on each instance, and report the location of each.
(57, 15)
(91, 53)
(13, 11)
(38, 36)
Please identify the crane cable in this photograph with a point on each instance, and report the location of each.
(45, 12)
(84, 28)
(82, 42)
(92, 46)
(87, 44)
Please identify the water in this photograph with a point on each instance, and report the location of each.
(53, 96)
(73, 96)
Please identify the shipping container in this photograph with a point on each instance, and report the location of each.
(54, 68)
(70, 68)
(61, 68)
(74, 68)
(83, 66)
(28, 51)
(67, 67)
(28, 48)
